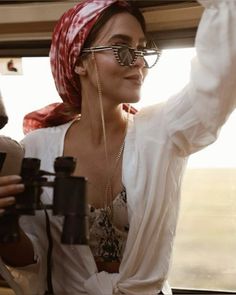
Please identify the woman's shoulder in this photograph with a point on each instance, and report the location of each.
(149, 117)
(149, 111)
(45, 140)
(49, 133)
(148, 124)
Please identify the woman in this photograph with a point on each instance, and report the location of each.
(133, 162)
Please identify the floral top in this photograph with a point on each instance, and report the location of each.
(108, 237)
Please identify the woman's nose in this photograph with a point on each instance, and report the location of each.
(139, 62)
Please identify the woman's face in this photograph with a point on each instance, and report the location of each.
(119, 83)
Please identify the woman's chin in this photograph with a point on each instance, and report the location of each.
(133, 99)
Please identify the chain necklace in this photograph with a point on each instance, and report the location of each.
(109, 187)
(108, 206)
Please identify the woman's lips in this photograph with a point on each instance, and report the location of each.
(136, 79)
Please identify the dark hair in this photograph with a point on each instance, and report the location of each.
(107, 14)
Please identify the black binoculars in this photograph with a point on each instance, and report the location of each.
(69, 200)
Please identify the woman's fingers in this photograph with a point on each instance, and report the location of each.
(10, 185)
(9, 179)
(5, 202)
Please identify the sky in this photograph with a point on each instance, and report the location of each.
(35, 89)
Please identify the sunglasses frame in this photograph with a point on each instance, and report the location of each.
(134, 52)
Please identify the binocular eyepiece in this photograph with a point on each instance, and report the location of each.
(69, 200)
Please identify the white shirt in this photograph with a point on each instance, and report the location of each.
(158, 142)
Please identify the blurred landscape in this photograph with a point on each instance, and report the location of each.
(205, 246)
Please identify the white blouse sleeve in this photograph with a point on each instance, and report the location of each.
(195, 115)
(193, 118)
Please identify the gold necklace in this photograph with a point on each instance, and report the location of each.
(109, 186)
(108, 206)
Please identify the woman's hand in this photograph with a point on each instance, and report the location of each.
(10, 186)
(21, 252)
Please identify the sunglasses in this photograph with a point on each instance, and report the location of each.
(126, 56)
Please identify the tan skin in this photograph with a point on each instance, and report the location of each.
(20, 253)
(84, 139)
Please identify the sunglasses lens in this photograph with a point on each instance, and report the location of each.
(126, 56)
(151, 57)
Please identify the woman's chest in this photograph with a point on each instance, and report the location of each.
(104, 178)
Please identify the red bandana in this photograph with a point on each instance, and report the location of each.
(68, 38)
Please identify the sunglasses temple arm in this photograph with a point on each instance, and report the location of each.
(95, 49)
